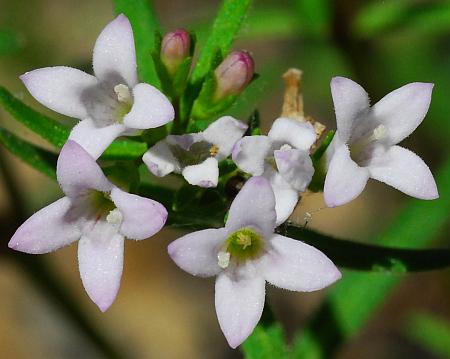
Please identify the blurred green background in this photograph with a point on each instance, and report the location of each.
(162, 312)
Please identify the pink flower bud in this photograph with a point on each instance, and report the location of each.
(175, 47)
(234, 73)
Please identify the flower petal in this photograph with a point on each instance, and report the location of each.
(142, 217)
(150, 108)
(405, 171)
(196, 252)
(402, 110)
(254, 205)
(114, 57)
(345, 180)
(239, 303)
(159, 160)
(294, 265)
(77, 171)
(298, 134)
(95, 140)
(46, 230)
(205, 174)
(60, 88)
(250, 153)
(350, 102)
(224, 133)
(296, 167)
(100, 258)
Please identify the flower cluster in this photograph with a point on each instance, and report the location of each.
(278, 168)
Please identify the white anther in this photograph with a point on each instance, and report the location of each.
(223, 259)
(286, 147)
(114, 217)
(380, 132)
(123, 93)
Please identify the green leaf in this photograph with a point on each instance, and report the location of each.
(9, 42)
(37, 158)
(144, 22)
(315, 16)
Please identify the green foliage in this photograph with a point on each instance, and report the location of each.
(9, 42)
(315, 16)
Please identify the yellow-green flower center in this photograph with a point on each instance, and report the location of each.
(240, 246)
(101, 203)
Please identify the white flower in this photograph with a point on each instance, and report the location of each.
(283, 158)
(196, 155)
(245, 254)
(365, 142)
(99, 215)
(111, 103)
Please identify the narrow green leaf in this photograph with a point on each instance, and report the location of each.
(144, 22)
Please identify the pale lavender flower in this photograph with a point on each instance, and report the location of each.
(111, 103)
(365, 142)
(283, 158)
(99, 215)
(245, 254)
(196, 155)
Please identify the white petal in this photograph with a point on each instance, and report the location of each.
(405, 171)
(345, 180)
(205, 174)
(298, 134)
(239, 303)
(100, 258)
(142, 217)
(77, 171)
(60, 88)
(184, 141)
(294, 265)
(150, 108)
(250, 153)
(402, 110)
(94, 139)
(286, 197)
(160, 161)
(114, 57)
(296, 167)
(196, 252)
(47, 230)
(350, 102)
(254, 205)
(224, 133)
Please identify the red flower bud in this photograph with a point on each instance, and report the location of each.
(175, 47)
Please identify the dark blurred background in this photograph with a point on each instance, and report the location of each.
(162, 312)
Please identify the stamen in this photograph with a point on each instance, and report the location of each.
(223, 259)
(379, 133)
(123, 94)
(243, 240)
(285, 147)
(114, 217)
(214, 150)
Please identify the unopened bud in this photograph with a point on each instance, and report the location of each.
(234, 73)
(175, 47)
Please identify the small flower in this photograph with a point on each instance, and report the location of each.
(111, 103)
(365, 142)
(175, 47)
(245, 254)
(196, 155)
(283, 158)
(99, 215)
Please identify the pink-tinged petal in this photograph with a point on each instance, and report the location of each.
(114, 57)
(100, 259)
(296, 167)
(150, 109)
(94, 139)
(239, 299)
(78, 172)
(250, 153)
(405, 171)
(224, 133)
(286, 197)
(350, 102)
(47, 230)
(205, 174)
(61, 89)
(254, 205)
(345, 180)
(196, 252)
(294, 265)
(402, 110)
(160, 161)
(298, 134)
(142, 217)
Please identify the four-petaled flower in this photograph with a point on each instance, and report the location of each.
(365, 142)
(97, 213)
(196, 155)
(111, 103)
(245, 254)
(283, 158)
